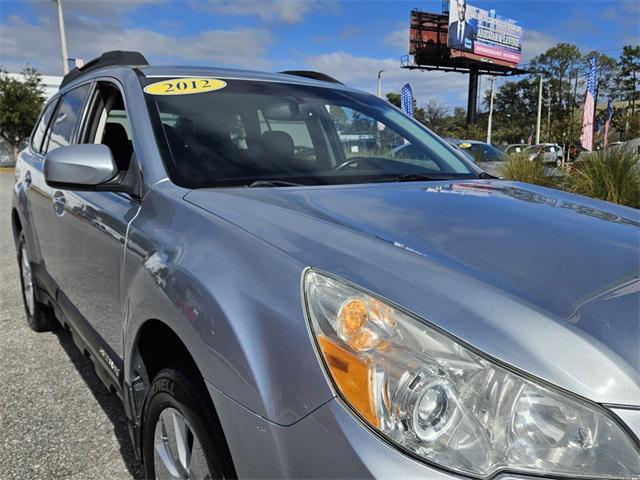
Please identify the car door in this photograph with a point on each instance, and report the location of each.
(38, 195)
(91, 229)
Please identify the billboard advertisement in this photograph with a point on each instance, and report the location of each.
(483, 32)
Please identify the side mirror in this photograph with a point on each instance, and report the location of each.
(79, 167)
(90, 167)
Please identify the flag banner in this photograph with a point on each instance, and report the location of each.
(607, 123)
(406, 100)
(586, 138)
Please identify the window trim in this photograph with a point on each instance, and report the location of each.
(61, 97)
(52, 101)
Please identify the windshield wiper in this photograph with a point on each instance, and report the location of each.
(272, 183)
(415, 177)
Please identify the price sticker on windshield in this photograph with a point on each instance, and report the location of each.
(185, 86)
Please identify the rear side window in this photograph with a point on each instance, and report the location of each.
(41, 128)
(66, 118)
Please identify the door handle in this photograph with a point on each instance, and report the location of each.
(27, 179)
(59, 202)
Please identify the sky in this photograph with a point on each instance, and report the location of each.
(349, 40)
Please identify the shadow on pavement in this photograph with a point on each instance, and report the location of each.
(109, 402)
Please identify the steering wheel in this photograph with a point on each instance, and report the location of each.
(351, 161)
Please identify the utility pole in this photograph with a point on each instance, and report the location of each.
(63, 38)
(380, 72)
(572, 102)
(493, 79)
(539, 111)
(548, 112)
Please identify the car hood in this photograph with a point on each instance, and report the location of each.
(534, 267)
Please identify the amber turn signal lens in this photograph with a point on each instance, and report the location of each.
(352, 376)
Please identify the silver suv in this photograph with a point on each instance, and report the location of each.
(272, 293)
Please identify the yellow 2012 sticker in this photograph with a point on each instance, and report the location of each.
(185, 86)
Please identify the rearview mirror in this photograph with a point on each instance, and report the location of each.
(79, 167)
(287, 111)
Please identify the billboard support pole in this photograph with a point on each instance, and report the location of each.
(490, 121)
(539, 111)
(473, 96)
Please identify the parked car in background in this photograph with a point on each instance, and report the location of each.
(270, 302)
(515, 148)
(632, 144)
(549, 153)
(485, 155)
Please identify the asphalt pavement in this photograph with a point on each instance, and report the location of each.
(57, 420)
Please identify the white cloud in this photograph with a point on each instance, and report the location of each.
(361, 73)
(350, 67)
(283, 11)
(534, 43)
(398, 38)
(22, 42)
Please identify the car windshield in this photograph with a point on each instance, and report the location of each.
(486, 152)
(277, 134)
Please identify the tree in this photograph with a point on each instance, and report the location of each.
(434, 114)
(394, 99)
(628, 80)
(557, 63)
(20, 104)
(514, 110)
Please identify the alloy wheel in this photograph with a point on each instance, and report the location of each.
(27, 281)
(178, 453)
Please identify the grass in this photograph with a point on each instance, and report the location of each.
(519, 168)
(612, 175)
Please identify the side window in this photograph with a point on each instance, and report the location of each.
(41, 127)
(108, 124)
(66, 118)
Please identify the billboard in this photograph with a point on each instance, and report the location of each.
(482, 32)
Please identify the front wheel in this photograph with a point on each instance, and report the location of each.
(39, 316)
(182, 436)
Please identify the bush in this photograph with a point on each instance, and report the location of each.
(612, 175)
(518, 167)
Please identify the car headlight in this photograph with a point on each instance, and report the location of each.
(448, 405)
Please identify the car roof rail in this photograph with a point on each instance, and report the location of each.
(107, 59)
(313, 75)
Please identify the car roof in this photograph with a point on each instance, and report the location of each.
(162, 71)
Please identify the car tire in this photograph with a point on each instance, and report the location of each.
(40, 317)
(558, 163)
(181, 434)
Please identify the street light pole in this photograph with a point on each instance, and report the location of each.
(380, 83)
(539, 112)
(63, 37)
(548, 112)
(493, 79)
